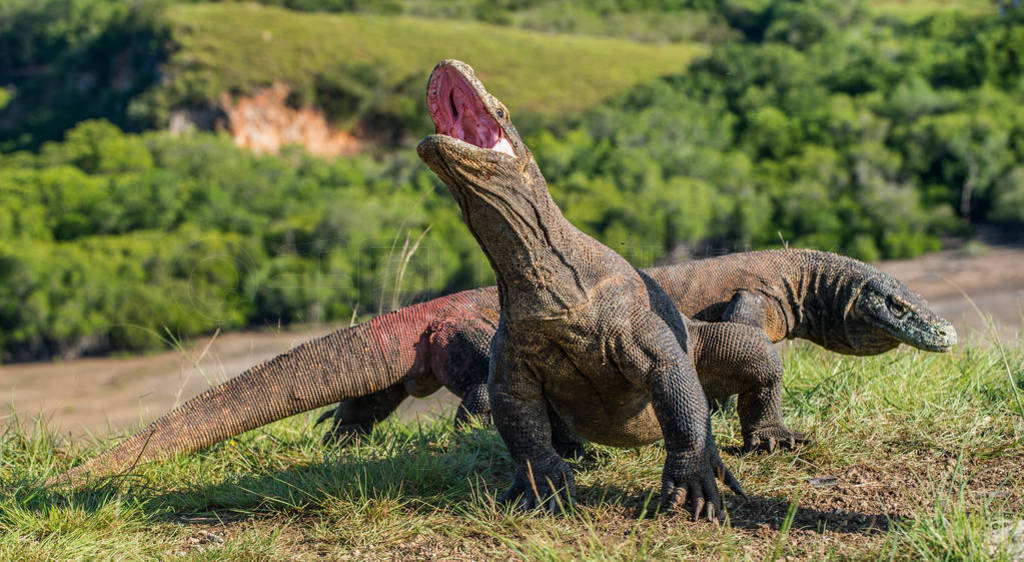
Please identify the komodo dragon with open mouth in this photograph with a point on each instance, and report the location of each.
(583, 337)
(843, 304)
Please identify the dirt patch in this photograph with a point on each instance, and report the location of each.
(102, 395)
(263, 122)
(849, 518)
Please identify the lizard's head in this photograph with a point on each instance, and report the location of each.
(886, 313)
(476, 148)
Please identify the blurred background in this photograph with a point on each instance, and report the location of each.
(189, 188)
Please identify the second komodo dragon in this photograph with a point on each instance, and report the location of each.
(842, 304)
(583, 337)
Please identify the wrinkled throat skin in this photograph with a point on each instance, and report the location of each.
(503, 196)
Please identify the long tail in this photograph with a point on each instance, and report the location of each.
(344, 364)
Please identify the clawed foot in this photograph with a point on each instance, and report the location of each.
(340, 433)
(576, 452)
(690, 482)
(768, 438)
(553, 489)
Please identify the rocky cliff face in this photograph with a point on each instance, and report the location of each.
(263, 122)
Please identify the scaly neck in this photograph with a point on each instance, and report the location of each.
(536, 254)
(827, 288)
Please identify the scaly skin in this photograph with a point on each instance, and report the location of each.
(842, 304)
(581, 332)
(445, 342)
(375, 358)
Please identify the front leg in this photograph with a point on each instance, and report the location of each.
(521, 416)
(735, 358)
(761, 420)
(745, 307)
(652, 352)
(476, 407)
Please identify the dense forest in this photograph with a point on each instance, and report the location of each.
(823, 124)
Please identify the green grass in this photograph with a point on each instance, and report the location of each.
(236, 47)
(914, 10)
(926, 450)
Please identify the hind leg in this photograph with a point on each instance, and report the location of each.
(474, 407)
(565, 441)
(460, 349)
(357, 416)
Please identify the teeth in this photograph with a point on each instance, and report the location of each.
(504, 147)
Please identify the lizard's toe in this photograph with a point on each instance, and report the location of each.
(328, 414)
(552, 489)
(769, 438)
(696, 490)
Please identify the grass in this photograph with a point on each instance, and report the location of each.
(925, 450)
(236, 47)
(915, 10)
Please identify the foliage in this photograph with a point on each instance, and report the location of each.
(818, 124)
(109, 239)
(70, 60)
(372, 69)
(840, 133)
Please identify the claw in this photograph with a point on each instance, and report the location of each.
(772, 438)
(734, 485)
(712, 516)
(324, 417)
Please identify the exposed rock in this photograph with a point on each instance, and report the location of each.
(263, 122)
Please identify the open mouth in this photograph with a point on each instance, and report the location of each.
(459, 112)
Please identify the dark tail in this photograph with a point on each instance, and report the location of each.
(344, 364)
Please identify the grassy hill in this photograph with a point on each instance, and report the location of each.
(234, 47)
(916, 10)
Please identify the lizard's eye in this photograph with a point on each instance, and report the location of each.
(501, 113)
(897, 307)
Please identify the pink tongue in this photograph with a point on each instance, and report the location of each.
(468, 125)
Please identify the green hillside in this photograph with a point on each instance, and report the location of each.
(234, 47)
(920, 9)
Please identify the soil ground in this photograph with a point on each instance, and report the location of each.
(100, 395)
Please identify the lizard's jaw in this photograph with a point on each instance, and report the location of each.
(459, 112)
